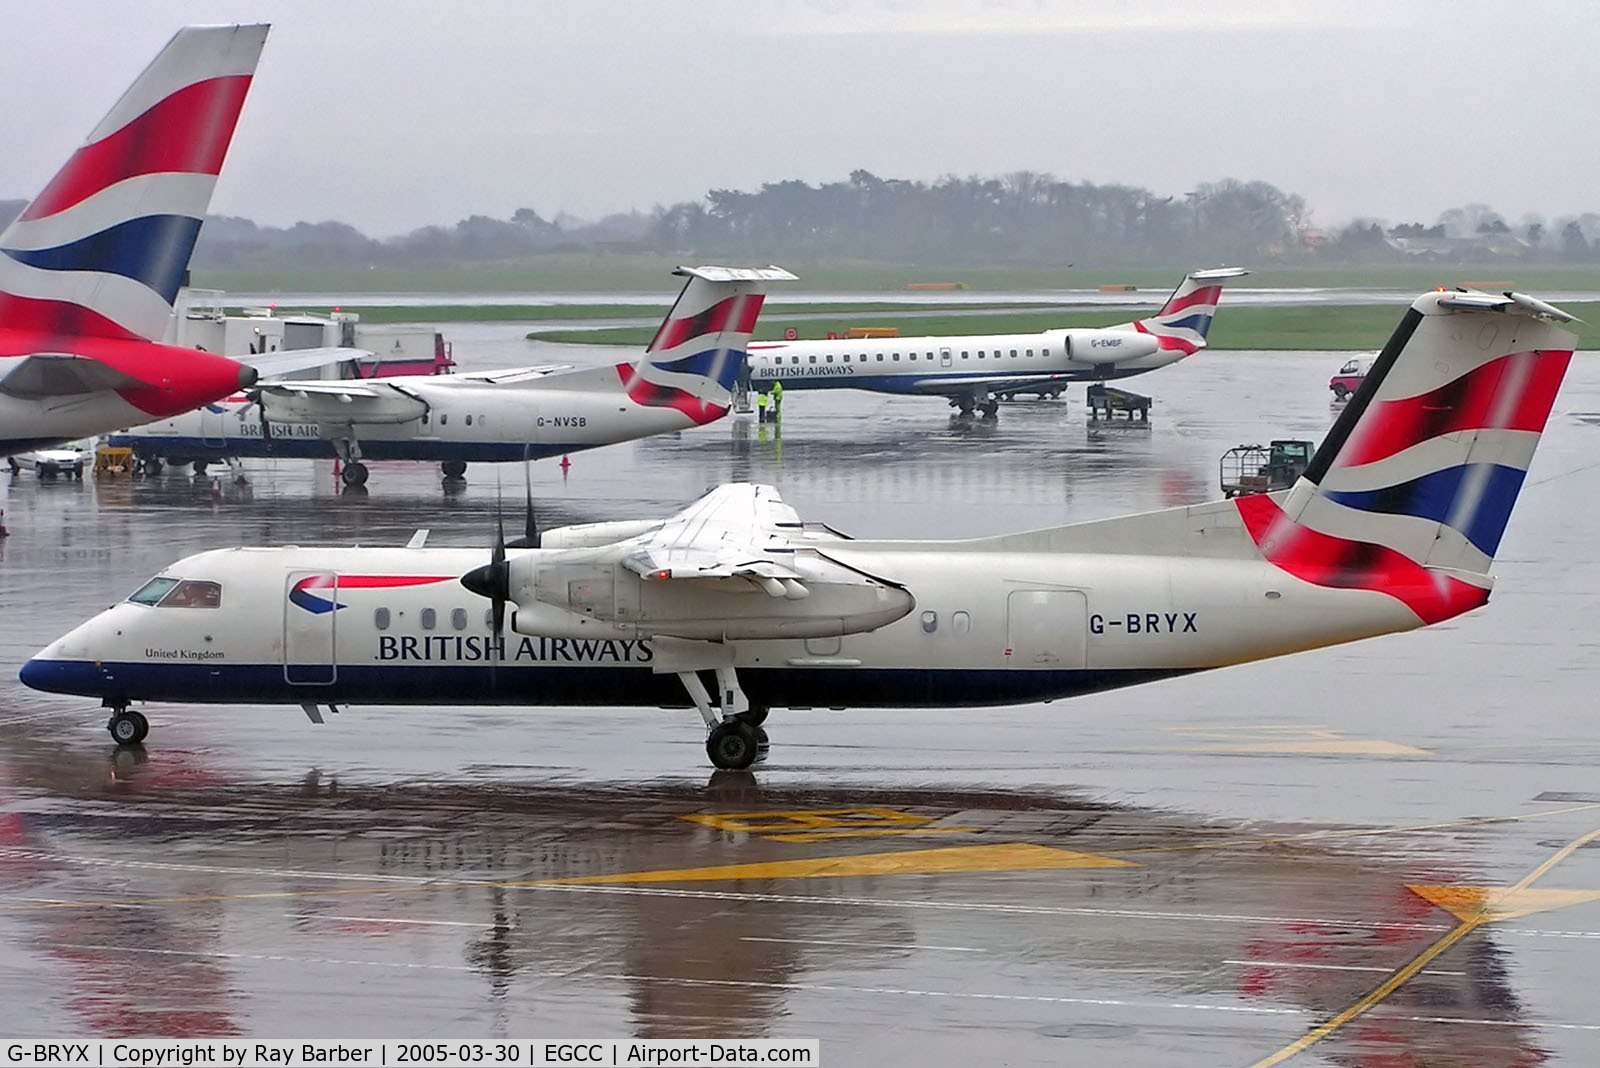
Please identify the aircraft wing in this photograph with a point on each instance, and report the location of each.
(366, 400)
(288, 361)
(509, 376)
(740, 530)
(949, 387)
(62, 375)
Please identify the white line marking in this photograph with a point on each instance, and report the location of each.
(1329, 967)
(383, 919)
(1054, 999)
(284, 958)
(865, 945)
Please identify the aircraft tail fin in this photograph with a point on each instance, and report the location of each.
(1412, 489)
(695, 358)
(103, 249)
(1185, 319)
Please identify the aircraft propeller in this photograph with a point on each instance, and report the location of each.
(493, 580)
(530, 524)
(255, 398)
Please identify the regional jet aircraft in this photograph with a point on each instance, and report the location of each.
(89, 270)
(684, 379)
(1393, 526)
(973, 371)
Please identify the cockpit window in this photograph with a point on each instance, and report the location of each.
(153, 591)
(192, 593)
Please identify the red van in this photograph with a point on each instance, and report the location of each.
(1350, 377)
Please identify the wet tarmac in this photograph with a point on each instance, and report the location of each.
(1385, 853)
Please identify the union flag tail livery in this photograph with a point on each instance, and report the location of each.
(89, 270)
(693, 362)
(1411, 492)
(1183, 322)
(101, 252)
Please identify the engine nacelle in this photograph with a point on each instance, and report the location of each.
(593, 595)
(591, 535)
(1094, 347)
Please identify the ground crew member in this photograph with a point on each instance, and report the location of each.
(761, 407)
(777, 400)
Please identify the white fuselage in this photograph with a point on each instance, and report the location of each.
(991, 625)
(947, 366)
(418, 418)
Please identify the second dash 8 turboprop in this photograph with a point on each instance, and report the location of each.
(1393, 526)
(683, 379)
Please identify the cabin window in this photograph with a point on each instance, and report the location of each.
(864, 357)
(964, 354)
(880, 357)
(930, 355)
(911, 355)
(813, 357)
(1013, 354)
(830, 357)
(1030, 354)
(444, 417)
(930, 622)
(980, 354)
(794, 359)
(1045, 353)
(458, 618)
(960, 622)
(469, 417)
(896, 357)
(425, 418)
(152, 592)
(429, 618)
(380, 618)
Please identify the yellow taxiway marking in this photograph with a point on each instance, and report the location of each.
(1471, 920)
(860, 822)
(1017, 856)
(893, 832)
(1500, 902)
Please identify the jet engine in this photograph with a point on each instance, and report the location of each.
(1095, 347)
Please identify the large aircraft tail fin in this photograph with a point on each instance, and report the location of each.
(1185, 319)
(695, 359)
(103, 249)
(1412, 489)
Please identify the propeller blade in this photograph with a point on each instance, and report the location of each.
(493, 580)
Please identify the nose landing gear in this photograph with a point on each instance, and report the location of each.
(127, 728)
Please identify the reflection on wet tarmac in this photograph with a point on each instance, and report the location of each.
(1202, 871)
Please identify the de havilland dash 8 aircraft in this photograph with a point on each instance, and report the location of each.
(974, 371)
(684, 379)
(1393, 526)
(89, 270)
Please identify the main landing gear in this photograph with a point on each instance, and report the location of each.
(453, 469)
(353, 473)
(968, 403)
(127, 728)
(735, 738)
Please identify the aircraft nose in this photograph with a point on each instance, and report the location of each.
(60, 676)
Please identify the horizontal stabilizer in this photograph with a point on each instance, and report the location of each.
(62, 375)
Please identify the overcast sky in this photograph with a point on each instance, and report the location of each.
(391, 114)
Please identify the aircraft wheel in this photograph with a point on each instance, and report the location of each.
(991, 409)
(128, 728)
(734, 745)
(1340, 393)
(199, 467)
(354, 473)
(453, 468)
(966, 404)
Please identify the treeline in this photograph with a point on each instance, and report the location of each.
(1021, 219)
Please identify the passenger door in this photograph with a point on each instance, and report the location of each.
(1047, 629)
(310, 611)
